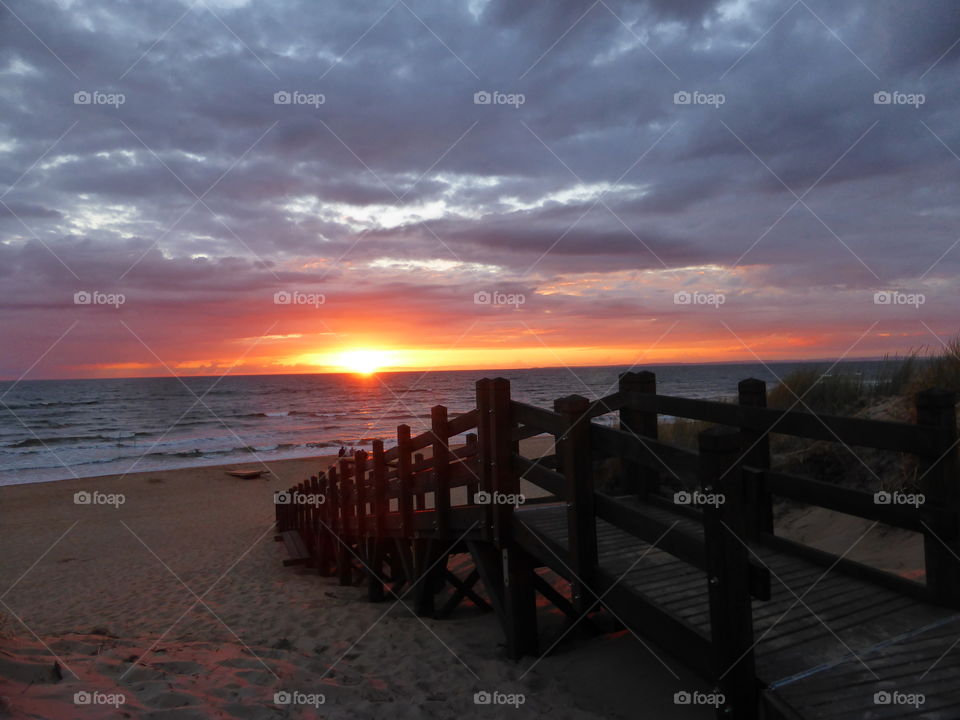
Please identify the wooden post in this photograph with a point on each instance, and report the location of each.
(421, 497)
(360, 479)
(756, 448)
(636, 478)
(577, 466)
(379, 506)
(404, 481)
(441, 471)
(936, 410)
(326, 552)
(472, 487)
(344, 562)
(504, 481)
(484, 448)
(333, 518)
(520, 602)
(313, 539)
(727, 561)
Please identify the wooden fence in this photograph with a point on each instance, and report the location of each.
(394, 516)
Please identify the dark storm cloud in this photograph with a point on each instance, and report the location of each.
(598, 171)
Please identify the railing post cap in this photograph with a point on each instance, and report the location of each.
(719, 439)
(639, 379)
(936, 398)
(571, 404)
(752, 385)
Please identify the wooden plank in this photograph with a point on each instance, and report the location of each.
(608, 442)
(503, 480)
(847, 566)
(574, 450)
(533, 471)
(853, 502)
(441, 469)
(459, 424)
(939, 470)
(882, 435)
(758, 503)
(636, 477)
(731, 612)
(544, 420)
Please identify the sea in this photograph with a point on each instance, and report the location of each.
(59, 429)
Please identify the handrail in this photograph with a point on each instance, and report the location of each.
(855, 502)
(878, 434)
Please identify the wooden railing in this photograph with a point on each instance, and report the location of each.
(399, 493)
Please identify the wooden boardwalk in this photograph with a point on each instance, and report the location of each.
(784, 630)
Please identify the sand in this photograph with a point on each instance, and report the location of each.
(177, 599)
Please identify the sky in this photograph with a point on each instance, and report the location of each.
(297, 186)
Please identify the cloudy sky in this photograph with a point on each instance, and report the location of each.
(195, 186)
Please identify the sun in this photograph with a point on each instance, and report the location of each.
(361, 362)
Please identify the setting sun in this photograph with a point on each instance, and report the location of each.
(362, 362)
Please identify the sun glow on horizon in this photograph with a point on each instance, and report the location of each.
(361, 361)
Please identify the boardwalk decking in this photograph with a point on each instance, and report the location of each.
(784, 630)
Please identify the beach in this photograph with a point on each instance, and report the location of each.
(177, 599)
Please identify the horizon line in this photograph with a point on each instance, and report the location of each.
(398, 370)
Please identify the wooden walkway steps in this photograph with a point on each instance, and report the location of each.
(783, 629)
